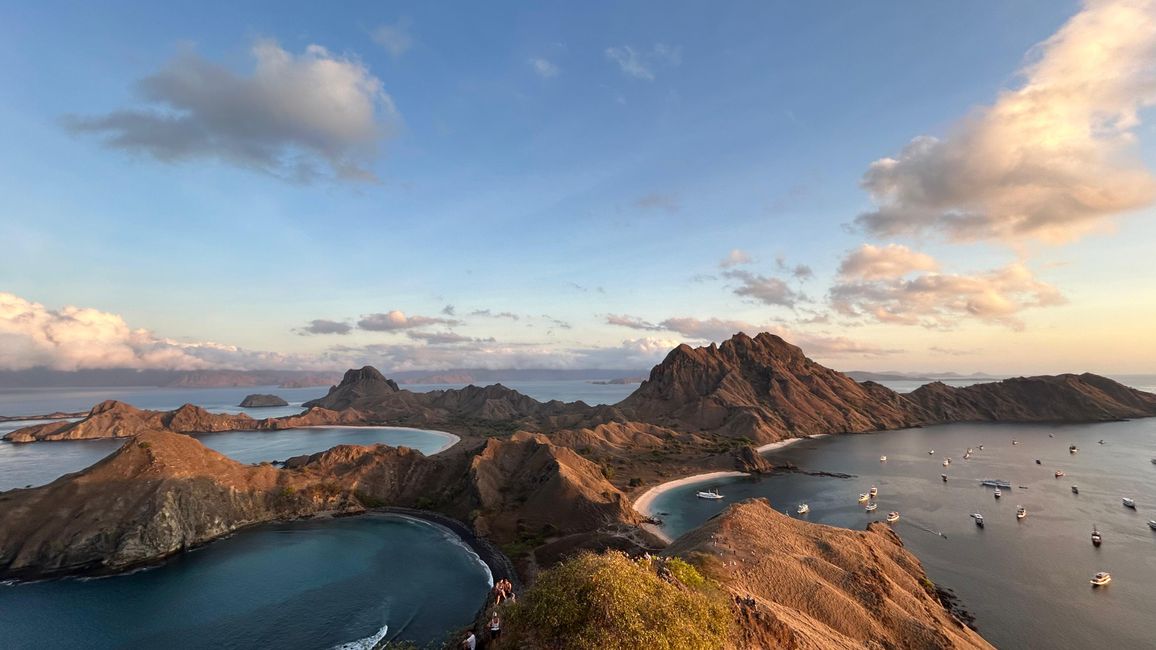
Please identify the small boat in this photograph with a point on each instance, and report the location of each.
(1129, 503)
(997, 494)
(1152, 524)
(978, 519)
(1096, 538)
(969, 450)
(1021, 512)
(874, 491)
(1072, 449)
(995, 482)
(1051, 435)
(1015, 442)
(967, 455)
(1075, 489)
(863, 497)
(930, 452)
(892, 517)
(803, 509)
(944, 477)
(1038, 462)
(1100, 579)
(1101, 442)
(1059, 473)
(713, 494)
(981, 449)
(883, 459)
(1154, 461)
(870, 507)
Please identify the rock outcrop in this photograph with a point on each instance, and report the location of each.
(259, 400)
(764, 389)
(801, 585)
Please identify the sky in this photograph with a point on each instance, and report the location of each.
(891, 186)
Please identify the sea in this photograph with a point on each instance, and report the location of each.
(321, 584)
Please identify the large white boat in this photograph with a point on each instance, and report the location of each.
(1100, 579)
(803, 509)
(712, 494)
(892, 517)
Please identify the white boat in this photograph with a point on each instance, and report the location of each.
(967, 455)
(997, 494)
(1073, 449)
(1059, 473)
(713, 494)
(944, 477)
(981, 447)
(892, 517)
(883, 459)
(978, 519)
(930, 452)
(870, 507)
(1129, 503)
(802, 509)
(1015, 442)
(874, 491)
(1021, 512)
(863, 497)
(1097, 539)
(1075, 489)
(1100, 579)
(946, 462)
(1152, 524)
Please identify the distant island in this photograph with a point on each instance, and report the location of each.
(258, 400)
(620, 381)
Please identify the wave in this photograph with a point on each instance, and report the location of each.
(364, 644)
(452, 538)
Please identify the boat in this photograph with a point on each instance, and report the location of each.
(803, 509)
(1051, 435)
(1038, 462)
(874, 491)
(1059, 473)
(1075, 489)
(995, 482)
(1129, 503)
(944, 477)
(930, 452)
(966, 456)
(892, 517)
(863, 497)
(870, 507)
(1015, 442)
(883, 459)
(1154, 461)
(997, 494)
(1152, 524)
(978, 519)
(1021, 512)
(1100, 579)
(1101, 442)
(713, 494)
(946, 463)
(1096, 538)
(981, 449)
(969, 450)
(1072, 449)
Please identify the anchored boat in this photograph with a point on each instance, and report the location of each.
(712, 494)
(1100, 579)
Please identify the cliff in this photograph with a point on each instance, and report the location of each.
(764, 389)
(802, 585)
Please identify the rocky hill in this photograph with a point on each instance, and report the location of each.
(261, 400)
(801, 585)
(762, 388)
(1052, 398)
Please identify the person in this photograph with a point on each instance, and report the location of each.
(495, 627)
(471, 642)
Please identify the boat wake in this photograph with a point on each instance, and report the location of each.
(364, 644)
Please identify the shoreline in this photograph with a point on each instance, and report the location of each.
(644, 502)
(772, 446)
(452, 438)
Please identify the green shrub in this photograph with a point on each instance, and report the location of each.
(635, 482)
(614, 603)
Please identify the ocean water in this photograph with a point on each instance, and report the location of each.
(307, 585)
(1025, 580)
(39, 463)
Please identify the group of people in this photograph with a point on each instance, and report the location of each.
(503, 590)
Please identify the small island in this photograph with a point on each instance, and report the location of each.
(258, 401)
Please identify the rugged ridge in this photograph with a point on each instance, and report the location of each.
(801, 585)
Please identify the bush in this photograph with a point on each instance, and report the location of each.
(614, 603)
(635, 482)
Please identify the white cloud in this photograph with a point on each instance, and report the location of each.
(892, 261)
(1050, 160)
(641, 64)
(544, 68)
(397, 320)
(323, 326)
(394, 38)
(942, 300)
(764, 289)
(297, 117)
(736, 257)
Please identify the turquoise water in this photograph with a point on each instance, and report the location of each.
(300, 585)
(38, 463)
(1026, 581)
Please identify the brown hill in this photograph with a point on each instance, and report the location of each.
(1053, 398)
(803, 585)
(762, 388)
(358, 388)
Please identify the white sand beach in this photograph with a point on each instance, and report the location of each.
(786, 443)
(642, 504)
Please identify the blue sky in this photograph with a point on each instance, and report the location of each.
(586, 168)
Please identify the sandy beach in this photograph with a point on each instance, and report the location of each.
(642, 504)
(450, 438)
(786, 443)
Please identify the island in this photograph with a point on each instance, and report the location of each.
(258, 400)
